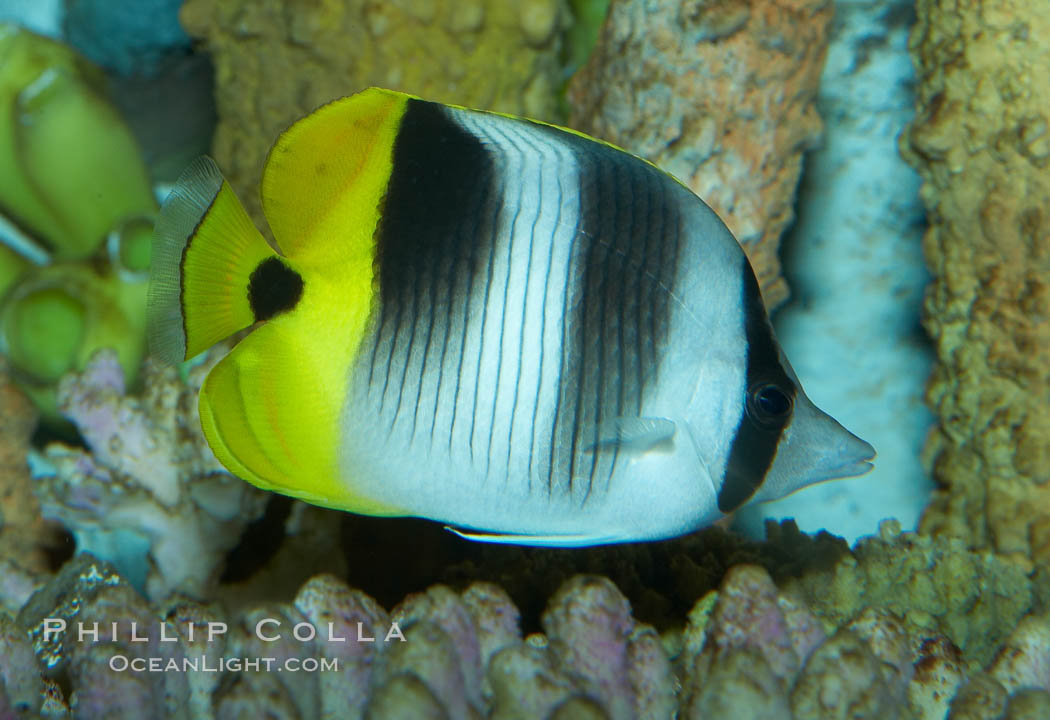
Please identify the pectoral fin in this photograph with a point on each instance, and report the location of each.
(636, 434)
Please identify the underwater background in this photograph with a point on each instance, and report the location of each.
(884, 163)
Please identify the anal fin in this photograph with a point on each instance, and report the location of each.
(567, 540)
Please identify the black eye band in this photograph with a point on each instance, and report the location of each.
(769, 400)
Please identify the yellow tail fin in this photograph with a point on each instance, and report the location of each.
(205, 249)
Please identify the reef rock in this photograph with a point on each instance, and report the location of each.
(147, 494)
(936, 586)
(981, 145)
(844, 679)
(1024, 661)
(24, 536)
(276, 61)
(721, 95)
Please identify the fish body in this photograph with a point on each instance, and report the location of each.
(488, 321)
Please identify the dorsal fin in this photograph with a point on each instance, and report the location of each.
(327, 173)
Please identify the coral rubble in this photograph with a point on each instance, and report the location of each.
(980, 143)
(146, 494)
(721, 95)
(276, 62)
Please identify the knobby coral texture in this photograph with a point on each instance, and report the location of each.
(749, 650)
(980, 143)
(276, 62)
(721, 95)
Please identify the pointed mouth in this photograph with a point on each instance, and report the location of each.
(859, 464)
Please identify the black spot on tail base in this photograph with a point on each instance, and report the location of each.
(273, 288)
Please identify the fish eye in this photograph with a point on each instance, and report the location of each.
(769, 405)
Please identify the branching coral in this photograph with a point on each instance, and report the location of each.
(146, 494)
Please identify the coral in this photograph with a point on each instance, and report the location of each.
(1024, 660)
(582, 35)
(289, 544)
(448, 654)
(739, 684)
(274, 65)
(749, 613)
(57, 316)
(844, 679)
(721, 95)
(335, 609)
(981, 698)
(73, 188)
(594, 639)
(936, 585)
(939, 671)
(1030, 704)
(12, 265)
(146, 494)
(58, 136)
(20, 681)
(83, 619)
(192, 622)
(24, 536)
(980, 143)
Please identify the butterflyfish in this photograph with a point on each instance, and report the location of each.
(503, 325)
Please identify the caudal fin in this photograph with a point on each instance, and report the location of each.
(205, 248)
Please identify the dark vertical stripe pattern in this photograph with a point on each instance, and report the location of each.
(437, 250)
(433, 243)
(617, 310)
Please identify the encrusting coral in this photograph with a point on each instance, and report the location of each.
(721, 95)
(274, 65)
(147, 494)
(750, 650)
(937, 586)
(980, 143)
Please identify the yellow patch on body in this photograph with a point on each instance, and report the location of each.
(271, 410)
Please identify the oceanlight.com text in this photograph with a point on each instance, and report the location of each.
(201, 663)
